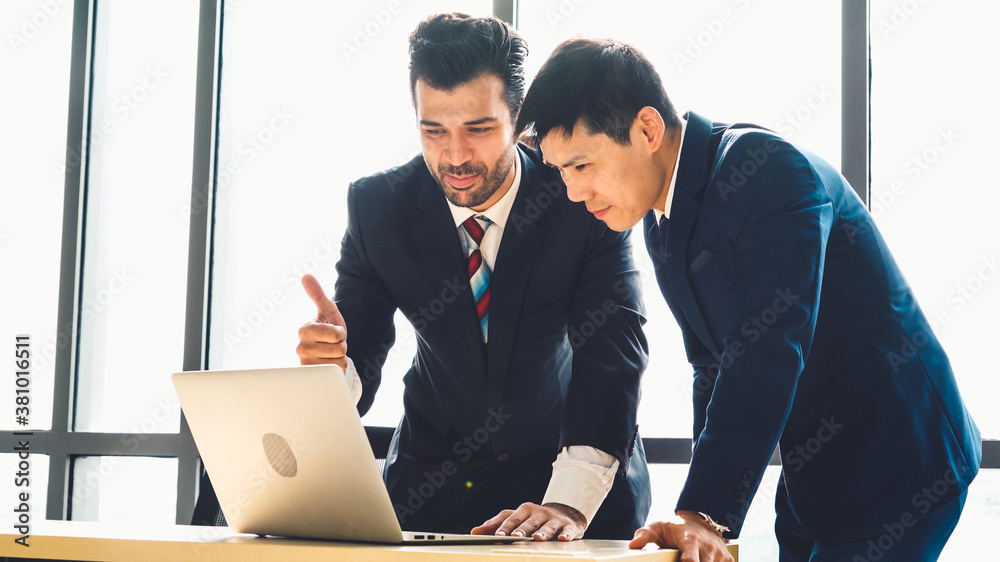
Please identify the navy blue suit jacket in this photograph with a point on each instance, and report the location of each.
(563, 365)
(803, 334)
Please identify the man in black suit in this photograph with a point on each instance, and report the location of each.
(529, 342)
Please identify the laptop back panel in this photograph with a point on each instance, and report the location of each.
(287, 453)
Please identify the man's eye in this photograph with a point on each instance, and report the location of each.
(580, 167)
(477, 130)
(433, 132)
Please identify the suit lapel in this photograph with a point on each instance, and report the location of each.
(692, 177)
(442, 254)
(522, 237)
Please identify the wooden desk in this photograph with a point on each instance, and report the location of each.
(63, 540)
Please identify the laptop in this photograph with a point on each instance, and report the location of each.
(288, 456)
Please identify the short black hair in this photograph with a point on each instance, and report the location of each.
(601, 81)
(448, 50)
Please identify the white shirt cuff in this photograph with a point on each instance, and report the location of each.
(581, 478)
(353, 381)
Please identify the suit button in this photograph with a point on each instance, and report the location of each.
(503, 457)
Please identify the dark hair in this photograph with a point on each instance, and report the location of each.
(448, 50)
(601, 81)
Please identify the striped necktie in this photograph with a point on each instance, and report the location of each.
(479, 272)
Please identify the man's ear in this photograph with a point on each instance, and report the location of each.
(651, 127)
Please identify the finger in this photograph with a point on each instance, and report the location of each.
(514, 520)
(321, 351)
(490, 526)
(327, 309)
(548, 531)
(314, 332)
(642, 537)
(537, 518)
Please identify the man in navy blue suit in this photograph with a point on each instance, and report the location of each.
(524, 388)
(801, 330)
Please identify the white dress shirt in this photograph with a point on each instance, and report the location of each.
(665, 212)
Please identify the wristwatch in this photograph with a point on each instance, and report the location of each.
(711, 523)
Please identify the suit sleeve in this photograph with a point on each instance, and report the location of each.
(609, 349)
(779, 222)
(365, 303)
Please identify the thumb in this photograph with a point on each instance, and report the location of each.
(327, 309)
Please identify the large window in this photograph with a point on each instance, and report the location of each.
(934, 194)
(37, 51)
(278, 106)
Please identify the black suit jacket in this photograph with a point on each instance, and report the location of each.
(803, 334)
(483, 423)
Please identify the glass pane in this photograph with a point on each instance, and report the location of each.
(20, 478)
(776, 64)
(935, 82)
(37, 52)
(323, 102)
(126, 489)
(136, 245)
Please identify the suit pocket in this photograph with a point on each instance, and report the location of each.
(705, 266)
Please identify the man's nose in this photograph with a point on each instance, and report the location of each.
(459, 150)
(576, 190)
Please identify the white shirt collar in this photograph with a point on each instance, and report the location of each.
(500, 210)
(673, 177)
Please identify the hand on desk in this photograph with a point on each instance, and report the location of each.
(688, 532)
(324, 340)
(542, 522)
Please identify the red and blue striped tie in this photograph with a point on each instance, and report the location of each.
(479, 272)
